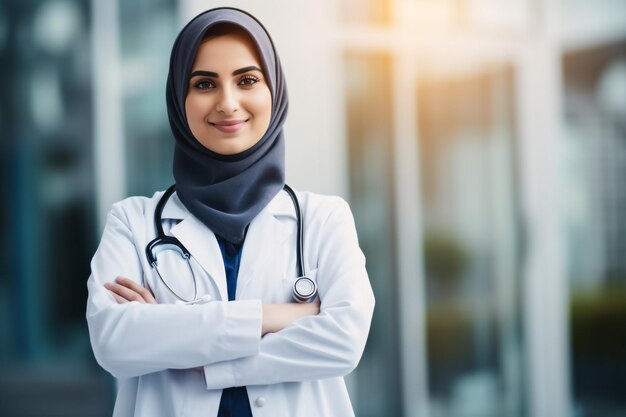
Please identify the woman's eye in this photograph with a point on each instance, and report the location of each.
(248, 80)
(204, 85)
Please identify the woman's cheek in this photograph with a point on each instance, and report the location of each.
(261, 101)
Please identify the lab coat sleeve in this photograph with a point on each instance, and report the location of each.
(133, 339)
(326, 345)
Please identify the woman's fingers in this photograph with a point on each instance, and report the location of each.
(145, 293)
(125, 289)
(150, 295)
(124, 292)
(120, 300)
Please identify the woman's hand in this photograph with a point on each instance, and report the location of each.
(275, 316)
(125, 290)
(278, 316)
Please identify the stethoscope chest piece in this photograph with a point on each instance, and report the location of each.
(304, 290)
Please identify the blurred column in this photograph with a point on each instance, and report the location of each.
(372, 198)
(411, 288)
(546, 290)
(109, 155)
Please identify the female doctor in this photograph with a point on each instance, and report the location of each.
(192, 292)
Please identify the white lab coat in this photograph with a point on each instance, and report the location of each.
(152, 349)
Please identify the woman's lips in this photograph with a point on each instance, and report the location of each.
(229, 126)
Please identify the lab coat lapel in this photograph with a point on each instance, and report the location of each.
(264, 250)
(201, 242)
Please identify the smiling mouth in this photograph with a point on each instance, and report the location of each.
(229, 126)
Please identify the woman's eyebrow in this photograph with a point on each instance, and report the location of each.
(246, 69)
(204, 73)
(215, 74)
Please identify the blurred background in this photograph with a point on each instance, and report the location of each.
(480, 143)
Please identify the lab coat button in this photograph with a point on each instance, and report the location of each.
(260, 402)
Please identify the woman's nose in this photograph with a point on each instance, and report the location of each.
(227, 102)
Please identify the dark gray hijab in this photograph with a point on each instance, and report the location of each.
(226, 191)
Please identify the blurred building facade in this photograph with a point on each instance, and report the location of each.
(481, 144)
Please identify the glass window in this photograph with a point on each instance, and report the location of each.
(471, 255)
(47, 179)
(478, 15)
(372, 12)
(147, 33)
(47, 227)
(594, 164)
(368, 106)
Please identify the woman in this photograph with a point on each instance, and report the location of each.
(216, 332)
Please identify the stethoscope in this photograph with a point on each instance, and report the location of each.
(304, 289)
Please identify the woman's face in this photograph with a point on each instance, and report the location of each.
(229, 103)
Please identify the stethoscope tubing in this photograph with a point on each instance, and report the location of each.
(300, 230)
(163, 239)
